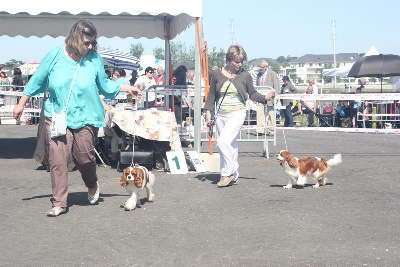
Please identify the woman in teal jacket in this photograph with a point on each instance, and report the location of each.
(73, 75)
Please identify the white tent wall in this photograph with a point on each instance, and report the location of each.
(156, 19)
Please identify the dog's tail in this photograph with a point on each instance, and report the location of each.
(337, 159)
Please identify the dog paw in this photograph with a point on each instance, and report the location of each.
(129, 207)
(151, 198)
(287, 187)
(315, 185)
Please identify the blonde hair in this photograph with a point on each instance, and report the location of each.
(74, 40)
(236, 52)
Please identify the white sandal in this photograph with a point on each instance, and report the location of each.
(94, 198)
(55, 212)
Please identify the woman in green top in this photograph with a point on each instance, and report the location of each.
(74, 74)
(230, 87)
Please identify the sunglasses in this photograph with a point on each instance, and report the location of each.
(151, 72)
(90, 43)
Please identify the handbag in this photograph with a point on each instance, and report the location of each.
(59, 120)
(59, 123)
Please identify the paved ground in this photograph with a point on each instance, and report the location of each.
(353, 221)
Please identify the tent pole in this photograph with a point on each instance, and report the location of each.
(197, 90)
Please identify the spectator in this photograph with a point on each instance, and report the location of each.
(314, 87)
(134, 77)
(159, 78)
(179, 79)
(4, 82)
(287, 88)
(190, 77)
(266, 112)
(309, 107)
(296, 108)
(356, 107)
(108, 73)
(144, 82)
(18, 82)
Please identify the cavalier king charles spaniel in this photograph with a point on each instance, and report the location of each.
(300, 169)
(134, 179)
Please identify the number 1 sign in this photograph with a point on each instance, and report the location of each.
(177, 162)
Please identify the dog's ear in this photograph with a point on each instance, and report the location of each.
(291, 160)
(138, 177)
(124, 179)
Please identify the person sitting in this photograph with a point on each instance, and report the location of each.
(296, 108)
(309, 107)
(115, 141)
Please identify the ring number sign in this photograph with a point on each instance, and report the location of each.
(177, 162)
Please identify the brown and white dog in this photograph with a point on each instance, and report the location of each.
(134, 179)
(300, 169)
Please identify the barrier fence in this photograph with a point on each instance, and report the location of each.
(384, 118)
(8, 100)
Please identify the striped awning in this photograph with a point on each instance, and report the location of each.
(118, 59)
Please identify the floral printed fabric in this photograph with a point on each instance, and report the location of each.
(150, 124)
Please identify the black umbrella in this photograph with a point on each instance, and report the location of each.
(376, 66)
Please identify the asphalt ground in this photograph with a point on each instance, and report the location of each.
(352, 221)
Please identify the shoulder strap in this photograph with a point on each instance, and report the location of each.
(70, 89)
(239, 71)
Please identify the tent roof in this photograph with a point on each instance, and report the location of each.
(371, 51)
(123, 19)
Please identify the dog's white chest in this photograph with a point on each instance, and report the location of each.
(290, 170)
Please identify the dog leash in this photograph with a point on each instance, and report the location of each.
(284, 137)
(133, 154)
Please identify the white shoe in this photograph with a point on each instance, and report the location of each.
(94, 198)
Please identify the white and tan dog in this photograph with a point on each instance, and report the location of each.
(134, 179)
(300, 169)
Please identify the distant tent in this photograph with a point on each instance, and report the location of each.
(372, 51)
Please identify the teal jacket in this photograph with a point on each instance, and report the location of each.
(56, 73)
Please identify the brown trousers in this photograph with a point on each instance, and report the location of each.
(78, 144)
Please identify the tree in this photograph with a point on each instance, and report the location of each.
(137, 49)
(284, 61)
(12, 62)
(274, 65)
(159, 53)
(180, 52)
(216, 58)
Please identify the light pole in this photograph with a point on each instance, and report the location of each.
(334, 50)
(231, 24)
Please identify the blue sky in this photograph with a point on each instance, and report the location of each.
(264, 28)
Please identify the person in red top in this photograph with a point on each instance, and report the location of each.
(160, 77)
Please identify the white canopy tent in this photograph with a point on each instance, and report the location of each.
(156, 19)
